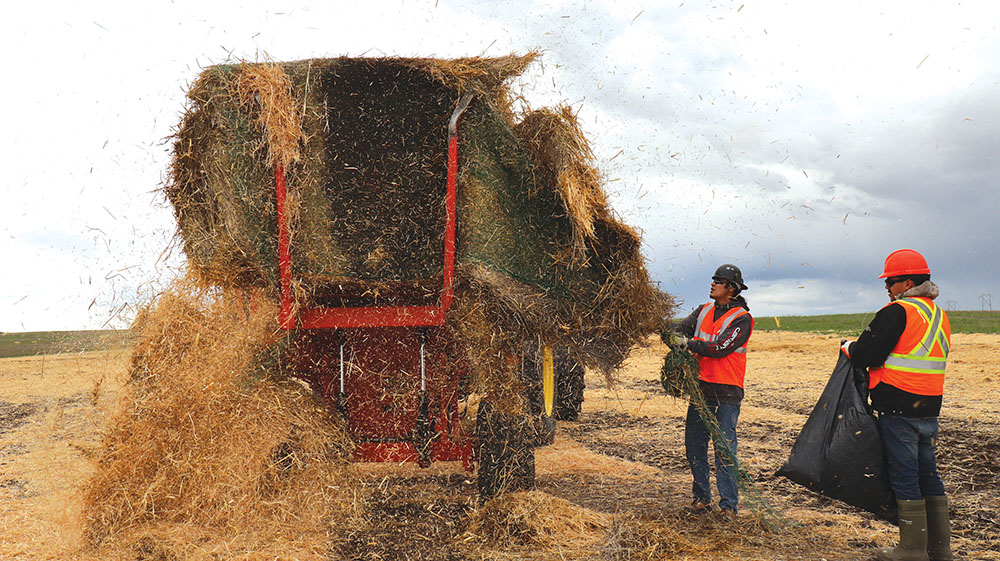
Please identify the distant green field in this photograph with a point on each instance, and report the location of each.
(848, 325)
(54, 342)
(852, 324)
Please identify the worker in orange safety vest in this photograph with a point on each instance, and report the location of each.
(905, 348)
(718, 333)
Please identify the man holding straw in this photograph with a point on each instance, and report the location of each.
(718, 333)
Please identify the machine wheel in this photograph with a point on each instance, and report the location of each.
(506, 453)
(569, 388)
(544, 429)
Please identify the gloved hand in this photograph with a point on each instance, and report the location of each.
(681, 341)
(845, 348)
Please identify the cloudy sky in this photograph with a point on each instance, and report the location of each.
(802, 141)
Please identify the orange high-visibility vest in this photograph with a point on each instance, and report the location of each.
(732, 368)
(916, 364)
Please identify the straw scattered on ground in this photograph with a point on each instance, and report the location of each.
(214, 450)
(623, 459)
(537, 518)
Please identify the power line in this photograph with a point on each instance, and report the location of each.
(986, 299)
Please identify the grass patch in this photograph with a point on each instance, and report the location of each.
(850, 325)
(974, 322)
(54, 342)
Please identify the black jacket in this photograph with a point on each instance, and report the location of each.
(732, 338)
(873, 347)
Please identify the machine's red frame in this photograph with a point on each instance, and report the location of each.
(402, 316)
(443, 447)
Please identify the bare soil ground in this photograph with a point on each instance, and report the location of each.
(621, 467)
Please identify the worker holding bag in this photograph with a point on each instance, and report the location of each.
(905, 348)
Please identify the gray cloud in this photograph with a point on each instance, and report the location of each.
(728, 133)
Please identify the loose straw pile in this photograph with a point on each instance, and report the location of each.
(214, 450)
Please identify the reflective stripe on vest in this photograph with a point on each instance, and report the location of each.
(706, 312)
(920, 368)
(917, 360)
(730, 369)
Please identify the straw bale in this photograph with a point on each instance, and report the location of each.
(492, 352)
(217, 156)
(213, 448)
(365, 179)
(268, 86)
(484, 75)
(558, 144)
(628, 306)
(494, 315)
(365, 141)
(537, 518)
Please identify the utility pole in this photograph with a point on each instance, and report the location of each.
(986, 299)
(950, 305)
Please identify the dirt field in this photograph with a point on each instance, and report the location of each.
(611, 487)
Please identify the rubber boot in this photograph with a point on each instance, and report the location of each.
(938, 529)
(912, 534)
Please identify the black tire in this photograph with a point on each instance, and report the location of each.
(569, 388)
(506, 453)
(545, 430)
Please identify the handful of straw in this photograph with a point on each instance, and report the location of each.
(679, 374)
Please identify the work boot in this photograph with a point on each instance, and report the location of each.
(726, 515)
(912, 534)
(698, 507)
(938, 529)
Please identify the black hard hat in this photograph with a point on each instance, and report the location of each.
(730, 273)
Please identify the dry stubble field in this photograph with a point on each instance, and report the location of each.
(612, 486)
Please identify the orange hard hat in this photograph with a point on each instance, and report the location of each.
(905, 262)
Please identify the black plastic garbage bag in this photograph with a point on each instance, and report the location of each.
(839, 452)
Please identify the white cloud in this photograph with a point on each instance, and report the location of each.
(798, 140)
(814, 296)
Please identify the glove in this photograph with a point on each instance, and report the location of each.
(845, 348)
(681, 341)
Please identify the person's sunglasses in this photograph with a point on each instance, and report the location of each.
(892, 280)
(722, 282)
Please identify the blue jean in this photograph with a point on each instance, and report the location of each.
(696, 437)
(909, 448)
